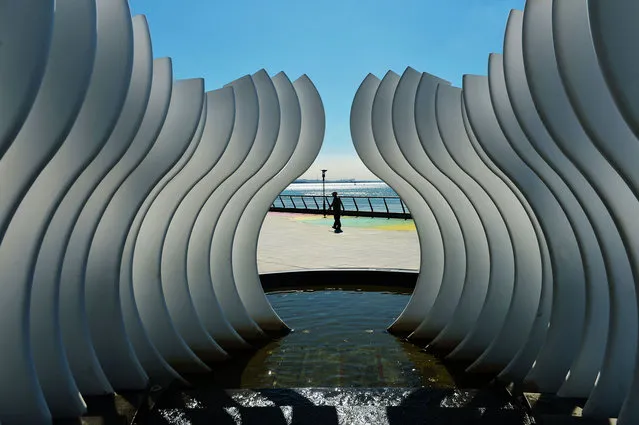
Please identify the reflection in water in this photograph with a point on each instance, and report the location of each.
(340, 340)
(336, 368)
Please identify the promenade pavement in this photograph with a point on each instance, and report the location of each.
(302, 241)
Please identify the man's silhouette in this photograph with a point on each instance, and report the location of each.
(337, 207)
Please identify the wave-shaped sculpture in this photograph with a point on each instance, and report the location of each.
(172, 273)
(454, 211)
(507, 226)
(175, 258)
(24, 58)
(429, 233)
(532, 168)
(82, 357)
(106, 167)
(45, 298)
(130, 205)
(205, 289)
(32, 214)
(530, 256)
(604, 122)
(144, 268)
(175, 157)
(102, 270)
(303, 131)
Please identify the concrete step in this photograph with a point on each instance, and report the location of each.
(337, 415)
(337, 406)
(112, 409)
(557, 419)
(492, 398)
(554, 410)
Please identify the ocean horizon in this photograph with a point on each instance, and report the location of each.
(365, 188)
(351, 192)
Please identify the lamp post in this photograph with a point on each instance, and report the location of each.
(324, 192)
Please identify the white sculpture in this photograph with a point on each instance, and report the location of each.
(130, 205)
(205, 242)
(595, 107)
(175, 255)
(483, 123)
(239, 206)
(508, 228)
(429, 232)
(180, 356)
(439, 191)
(302, 129)
(102, 286)
(20, 243)
(457, 267)
(46, 333)
(77, 338)
(95, 142)
(176, 291)
(529, 255)
(24, 58)
(142, 266)
(485, 234)
(550, 137)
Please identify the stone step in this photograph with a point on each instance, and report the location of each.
(337, 406)
(491, 398)
(557, 419)
(112, 409)
(338, 415)
(554, 410)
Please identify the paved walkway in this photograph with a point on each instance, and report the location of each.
(303, 241)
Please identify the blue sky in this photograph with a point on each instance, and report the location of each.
(335, 42)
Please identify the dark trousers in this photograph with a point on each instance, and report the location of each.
(338, 223)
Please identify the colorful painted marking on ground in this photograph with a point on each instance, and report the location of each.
(359, 222)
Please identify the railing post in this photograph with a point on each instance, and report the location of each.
(292, 201)
(369, 203)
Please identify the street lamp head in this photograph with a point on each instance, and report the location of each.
(324, 172)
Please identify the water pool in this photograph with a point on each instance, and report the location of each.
(340, 340)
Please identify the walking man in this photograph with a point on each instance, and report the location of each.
(337, 207)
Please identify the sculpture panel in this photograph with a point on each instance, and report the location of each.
(77, 338)
(552, 126)
(301, 128)
(24, 58)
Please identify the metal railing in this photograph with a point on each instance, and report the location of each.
(364, 206)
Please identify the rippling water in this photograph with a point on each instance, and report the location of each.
(344, 189)
(340, 340)
(338, 367)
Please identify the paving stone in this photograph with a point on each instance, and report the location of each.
(293, 241)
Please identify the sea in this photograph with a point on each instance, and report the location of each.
(355, 195)
(355, 188)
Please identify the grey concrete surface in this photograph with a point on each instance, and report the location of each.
(300, 241)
